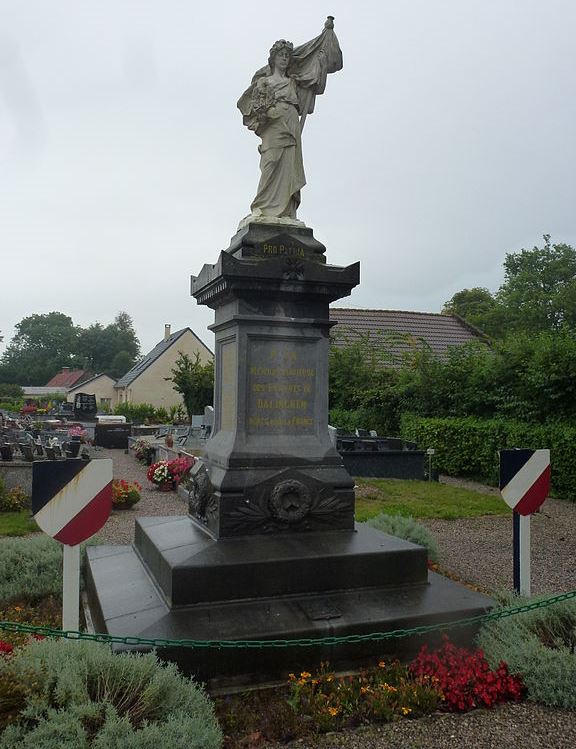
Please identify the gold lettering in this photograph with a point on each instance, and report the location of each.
(274, 249)
(280, 421)
(283, 371)
(282, 404)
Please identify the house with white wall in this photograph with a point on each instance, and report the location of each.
(100, 385)
(146, 381)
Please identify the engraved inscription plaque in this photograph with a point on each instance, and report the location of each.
(281, 386)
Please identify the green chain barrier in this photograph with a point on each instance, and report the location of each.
(302, 642)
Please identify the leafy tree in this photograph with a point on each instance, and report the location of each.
(54, 332)
(538, 294)
(366, 381)
(478, 307)
(124, 336)
(99, 346)
(539, 289)
(121, 363)
(8, 390)
(194, 381)
(42, 345)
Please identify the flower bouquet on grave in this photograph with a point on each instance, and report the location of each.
(144, 452)
(77, 437)
(166, 474)
(159, 474)
(125, 494)
(77, 433)
(179, 467)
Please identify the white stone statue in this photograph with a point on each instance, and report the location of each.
(275, 107)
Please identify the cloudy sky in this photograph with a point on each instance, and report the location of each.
(448, 139)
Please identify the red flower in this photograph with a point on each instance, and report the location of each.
(465, 677)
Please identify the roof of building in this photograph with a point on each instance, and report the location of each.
(402, 329)
(91, 379)
(69, 377)
(31, 390)
(153, 355)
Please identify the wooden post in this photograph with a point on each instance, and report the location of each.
(71, 587)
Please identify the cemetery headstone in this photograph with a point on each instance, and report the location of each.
(71, 501)
(26, 450)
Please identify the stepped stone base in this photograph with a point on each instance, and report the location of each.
(177, 582)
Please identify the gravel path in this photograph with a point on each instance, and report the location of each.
(479, 551)
(523, 726)
(120, 526)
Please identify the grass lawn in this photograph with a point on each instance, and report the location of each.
(423, 499)
(17, 523)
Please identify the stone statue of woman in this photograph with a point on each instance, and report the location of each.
(275, 107)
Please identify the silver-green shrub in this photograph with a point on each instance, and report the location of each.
(540, 646)
(86, 696)
(408, 529)
(30, 568)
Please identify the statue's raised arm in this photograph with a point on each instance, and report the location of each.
(275, 106)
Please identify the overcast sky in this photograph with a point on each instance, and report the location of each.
(448, 139)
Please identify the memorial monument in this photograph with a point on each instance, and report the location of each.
(269, 548)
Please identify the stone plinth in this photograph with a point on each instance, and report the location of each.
(270, 550)
(270, 465)
(178, 583)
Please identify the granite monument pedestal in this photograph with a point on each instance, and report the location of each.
(270, 466)
(269, 549)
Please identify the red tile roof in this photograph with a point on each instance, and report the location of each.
(69, 377)
(402, 329)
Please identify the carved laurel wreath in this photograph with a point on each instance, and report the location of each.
(290, 501)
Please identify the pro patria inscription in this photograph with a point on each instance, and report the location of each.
(279, 246)
(290, 250)
(281, 387)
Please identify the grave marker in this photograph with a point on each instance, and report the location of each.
(71, 501)
(524, 485)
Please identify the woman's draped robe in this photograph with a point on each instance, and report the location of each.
(271, 107)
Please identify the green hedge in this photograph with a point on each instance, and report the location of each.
(469, 446)
(140, 413)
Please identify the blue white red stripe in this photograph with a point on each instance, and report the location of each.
(524, 479)
(73, 511)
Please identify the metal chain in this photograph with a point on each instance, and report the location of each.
(301, 642)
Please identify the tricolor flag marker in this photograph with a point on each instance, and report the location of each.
(524, 485)
(71, 501)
